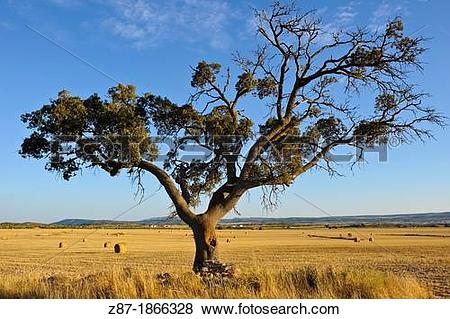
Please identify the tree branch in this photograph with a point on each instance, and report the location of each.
(182, 207)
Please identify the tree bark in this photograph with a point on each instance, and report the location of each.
(205, 241)
(182, 207)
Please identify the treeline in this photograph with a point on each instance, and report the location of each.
(219, 227)
(60, 226)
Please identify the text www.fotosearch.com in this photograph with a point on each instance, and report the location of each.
(252, 309)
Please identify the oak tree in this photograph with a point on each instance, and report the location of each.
(303, 81)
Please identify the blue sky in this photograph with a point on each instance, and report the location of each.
(152, 44)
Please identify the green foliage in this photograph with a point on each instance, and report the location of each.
(246, 83)
(269, 125)
(385, 102)
(331, 128)
(369, 133)
(266, 87)
(394, 28)
(394, 48)
(169, 118)
(204, 73)
(409, 48)
(36, 146)
(219, 122)
(366, 57)
(73, 133)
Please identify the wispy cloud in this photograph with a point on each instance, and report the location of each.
(23, 5)
(346, 14)
(343, 18)
(384, 12)
(149, 22)
(66, 3)
(4, 25)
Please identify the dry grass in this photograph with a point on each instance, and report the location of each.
(143, 283)
(31, 255)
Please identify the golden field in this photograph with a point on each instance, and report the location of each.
(272, 263)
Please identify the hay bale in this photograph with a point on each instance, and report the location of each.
(356, 239)
(107, 244)
(61, 245)
(371, 239)
(84, 240)
(349, 235)
(120, 248)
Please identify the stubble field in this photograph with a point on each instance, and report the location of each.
(272, 263)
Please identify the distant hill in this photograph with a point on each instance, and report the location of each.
(87, 222)
(417, 219)
(392, 219)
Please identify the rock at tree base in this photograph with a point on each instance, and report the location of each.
(164, 278)
(215, 269)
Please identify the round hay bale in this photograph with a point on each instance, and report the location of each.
(107, 244)
(120, 248)
(371, 239)
(61, 245)
(84, 240)
(357, 240)
(349, 234)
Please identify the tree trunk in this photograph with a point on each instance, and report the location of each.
(205, 241)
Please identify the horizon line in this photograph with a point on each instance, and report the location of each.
(235, 217)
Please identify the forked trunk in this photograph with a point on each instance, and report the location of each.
(205, 242)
